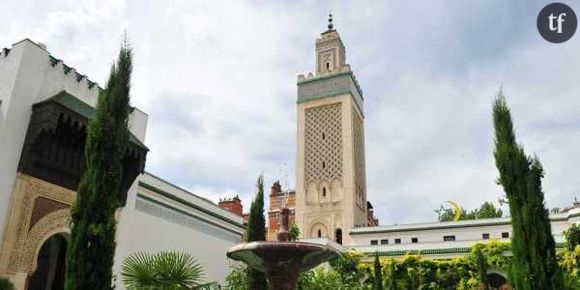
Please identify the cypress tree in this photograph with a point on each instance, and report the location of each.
(92, 243)
(534, 265)
(392, 276)
(378, 282)
(481, 265)
(257, 232)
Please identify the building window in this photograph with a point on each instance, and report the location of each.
(505, 235)
(319, 233)
(328, 66)
(414, 240)
(485, 236)
(374, 242)
(338, 236)
(448, 238)
(385, 242)
(397, 241)
(323, 136)
(323, 164)
(324, 191)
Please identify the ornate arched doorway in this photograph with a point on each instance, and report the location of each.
(319, 230)
(50, 265)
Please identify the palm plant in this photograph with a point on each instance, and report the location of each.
(163, 271)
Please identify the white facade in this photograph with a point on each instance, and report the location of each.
(446, 239)
(28, 77)
(158, 215)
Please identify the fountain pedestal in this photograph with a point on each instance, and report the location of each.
(282, 261)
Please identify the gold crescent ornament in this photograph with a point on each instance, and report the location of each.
(456, 210)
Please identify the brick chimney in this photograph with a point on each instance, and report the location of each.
(233, 205)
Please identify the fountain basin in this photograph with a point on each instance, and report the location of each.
(282, 261)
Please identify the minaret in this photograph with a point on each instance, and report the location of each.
(331, 175)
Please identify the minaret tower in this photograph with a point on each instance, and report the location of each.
(331, 177)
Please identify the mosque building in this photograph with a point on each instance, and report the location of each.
(45, 105)
(330, 200)
(44, 108)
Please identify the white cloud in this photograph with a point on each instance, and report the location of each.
(217, 79)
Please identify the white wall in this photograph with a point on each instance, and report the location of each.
(151, 222)
(28, 77)
(430, 235)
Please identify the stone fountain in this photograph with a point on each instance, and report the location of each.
(283, 260)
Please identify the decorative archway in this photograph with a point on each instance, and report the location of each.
(319, 230)
(56, 222)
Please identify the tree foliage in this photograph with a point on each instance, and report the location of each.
(92, 242)
(257, 232)
(347, 266)
(485, 211)
(5, 284)
(324, 279)
(534, 265)
(237, 279)
(163, 270)
(572, 236)
(415, 272)
(378, 277)
(294, 233)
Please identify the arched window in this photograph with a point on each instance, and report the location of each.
(319, 233)
(328, 66)
(324, 191)
(338, 236)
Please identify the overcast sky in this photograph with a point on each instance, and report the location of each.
(218, 80)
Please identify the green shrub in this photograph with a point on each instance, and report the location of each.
(572, 237)
(237, 279)
(5, 284)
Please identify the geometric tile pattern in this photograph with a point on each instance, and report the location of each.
(323, 143)
(359, 159)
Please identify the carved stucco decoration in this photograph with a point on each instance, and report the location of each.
(323, 143)
(53, 223)
(20, 259)
(359, 159)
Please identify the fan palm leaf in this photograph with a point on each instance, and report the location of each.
(163, 270)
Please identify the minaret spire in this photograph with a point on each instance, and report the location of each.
(330, 25)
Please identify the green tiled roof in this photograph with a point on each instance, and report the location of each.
(75, 104)
(381, 251)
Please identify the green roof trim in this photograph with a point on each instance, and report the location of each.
(423, 252)
(53, 60)
(329, 95)
(333, 75)
(443, 225)
(190, 204)
(78, 106)
(458, 250)
(322, 77)
(188, 214)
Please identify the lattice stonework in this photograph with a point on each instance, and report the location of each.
(359, 159)
(323, 142)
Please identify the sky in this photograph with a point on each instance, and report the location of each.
(218, 81)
